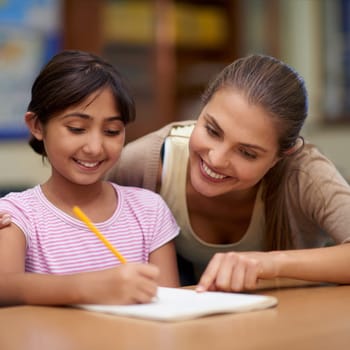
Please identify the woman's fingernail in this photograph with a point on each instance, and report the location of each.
(199, 289)
(6, 220)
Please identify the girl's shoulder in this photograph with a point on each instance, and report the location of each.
(25, 208)
(24, 199)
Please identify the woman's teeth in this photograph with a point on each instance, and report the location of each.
(211, 173)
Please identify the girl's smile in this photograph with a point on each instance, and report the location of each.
(88, 165)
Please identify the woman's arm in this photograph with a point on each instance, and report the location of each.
(328, 264)
(239, 271)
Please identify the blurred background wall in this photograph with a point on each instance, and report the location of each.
(168, 50)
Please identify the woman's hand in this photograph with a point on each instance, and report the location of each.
(234, 272)
(5, 220)
(126, 284)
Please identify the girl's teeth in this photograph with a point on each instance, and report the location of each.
(86, 164)
(211, 173)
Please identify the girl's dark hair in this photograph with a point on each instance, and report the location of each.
(70, 77)
(280, 90)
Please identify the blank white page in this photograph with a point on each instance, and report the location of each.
(175, 304)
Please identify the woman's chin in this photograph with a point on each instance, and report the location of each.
(208, 188)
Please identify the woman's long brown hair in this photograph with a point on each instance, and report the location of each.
(279, 89)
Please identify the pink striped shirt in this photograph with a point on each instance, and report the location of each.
(60, 244)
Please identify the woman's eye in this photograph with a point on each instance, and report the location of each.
(247, 154)
(211, 131)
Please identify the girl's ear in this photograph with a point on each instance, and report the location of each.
(34, 125)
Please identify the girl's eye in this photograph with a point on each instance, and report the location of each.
(112, 132)
(75, 130)
(211, 131)
(247, 154)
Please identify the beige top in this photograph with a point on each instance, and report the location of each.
(173, 190)
(317, 196)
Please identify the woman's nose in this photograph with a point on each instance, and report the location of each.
(218, 157)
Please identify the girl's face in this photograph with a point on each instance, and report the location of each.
(84, 141)
(232, 146)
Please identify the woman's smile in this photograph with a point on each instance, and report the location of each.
(210, 173)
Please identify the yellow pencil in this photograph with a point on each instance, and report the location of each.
(80, 215)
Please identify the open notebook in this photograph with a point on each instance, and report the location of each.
(175, 304)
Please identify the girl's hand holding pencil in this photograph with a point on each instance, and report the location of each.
(124, 284)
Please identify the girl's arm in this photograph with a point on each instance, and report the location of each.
(165, 258)
(124, 284)
(12, 249)
(239, 271)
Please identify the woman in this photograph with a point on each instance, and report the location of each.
(239, 179)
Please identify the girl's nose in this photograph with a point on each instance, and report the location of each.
(93, 144)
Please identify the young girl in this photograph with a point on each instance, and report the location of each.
(77, 117)
(250, 198)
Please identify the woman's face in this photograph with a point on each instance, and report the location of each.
(232, 146)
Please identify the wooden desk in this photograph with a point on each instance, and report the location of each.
(312, 317)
